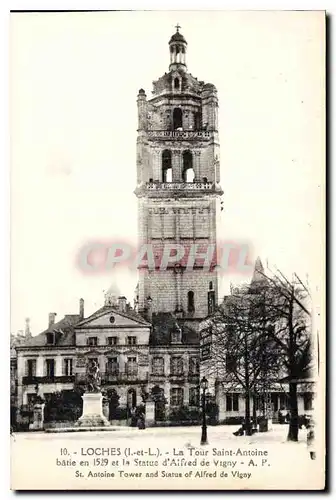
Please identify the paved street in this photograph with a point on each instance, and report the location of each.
(222, 433)
(259, 461)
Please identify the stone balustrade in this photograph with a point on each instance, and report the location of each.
(33, 380)
(192, 186)
(180, 134)
(108, 377)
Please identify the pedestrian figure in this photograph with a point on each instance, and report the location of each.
(281, 416)
(133, 417)
(141, 420)
(239, 432)
(311, 440)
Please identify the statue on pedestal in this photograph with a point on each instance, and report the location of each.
(37, 399)
(38, 411)
(93, 411)
(144, 394)
(93, 377)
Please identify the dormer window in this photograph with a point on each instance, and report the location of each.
(50, 338)
(176, 336)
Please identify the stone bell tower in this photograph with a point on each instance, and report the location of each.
(178, 190)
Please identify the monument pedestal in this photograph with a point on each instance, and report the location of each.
(150, 413)
(38, 415)
(92, 411)
(106, 408)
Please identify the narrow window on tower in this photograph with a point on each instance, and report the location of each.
(177, 118)
(183, 56)
(176, 83)
(197, 120)
(188, 173)
(191, 303)
(211, 298)
(178, 54)
(166, 166)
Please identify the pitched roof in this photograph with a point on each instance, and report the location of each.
(258, 273)
(129, 313)
(164, 324)
(64, 328)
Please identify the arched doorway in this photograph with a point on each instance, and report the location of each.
(167, 170)
(113, 399)
(131, 399)
(188, 173)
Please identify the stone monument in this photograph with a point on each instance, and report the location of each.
(93, 415)
(38, 412)
(149, 407)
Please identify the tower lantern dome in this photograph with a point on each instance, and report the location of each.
(178, 50)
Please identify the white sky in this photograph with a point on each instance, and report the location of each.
(74, 83)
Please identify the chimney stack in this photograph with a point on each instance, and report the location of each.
(52, 317)
(81, 308)
(27, 329)
(122, 302)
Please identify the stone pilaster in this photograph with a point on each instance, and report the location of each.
(197, 168)
(176, 164)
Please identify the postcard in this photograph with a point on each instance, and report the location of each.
(167, 250)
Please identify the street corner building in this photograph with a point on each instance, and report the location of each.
(247, 372)
(156, 349)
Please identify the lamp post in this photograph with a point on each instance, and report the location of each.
(204, 386)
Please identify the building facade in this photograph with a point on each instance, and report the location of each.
(158, 348)
(269, 392)
(152, 348)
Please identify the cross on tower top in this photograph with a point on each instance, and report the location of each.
(177, 27)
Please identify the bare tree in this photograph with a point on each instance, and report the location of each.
(289, 313)
(244, 353)
(261, 336)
